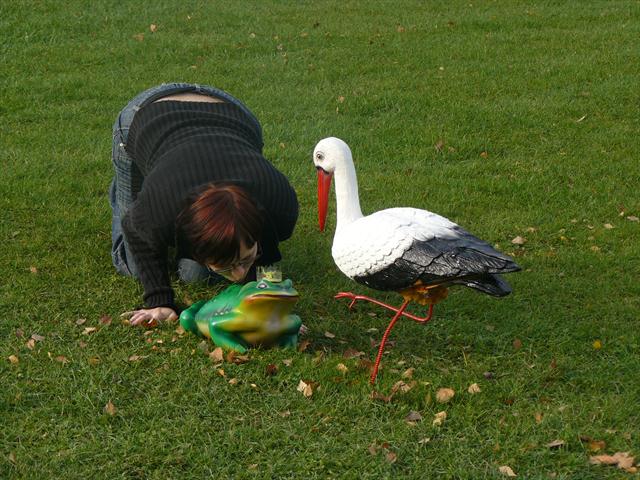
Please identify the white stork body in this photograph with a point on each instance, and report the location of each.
(397, 248)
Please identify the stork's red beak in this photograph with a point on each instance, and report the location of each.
(324, 186)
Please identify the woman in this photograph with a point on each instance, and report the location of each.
(190, 177)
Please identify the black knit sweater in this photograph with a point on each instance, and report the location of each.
(179, 148)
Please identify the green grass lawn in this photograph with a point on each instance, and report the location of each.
(511, 118)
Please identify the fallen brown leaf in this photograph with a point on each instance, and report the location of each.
(403, 387)
(373, 449)
(439, 418)
(305, 388)
(153, 28)
(235, 357)
(136, 358)
(556, 444)
(413, 417)
(622, 460)
(443, 395)
(62, 359)
(519, 240)
(303, 345)
(217, 355)
(13, 359)
(342, 368)
(329, 335)
(110, 408)
(31, 343)
(105, 320)
(288, 362)
(517, 344)
(33, 269)
(37, 338)
(19, 333)
(271, 370)
(379, 396)
(89, 330)
(474, 388)
(506, 470)
(352, 353)
(408, 373)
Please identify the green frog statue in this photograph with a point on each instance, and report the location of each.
(244, 316)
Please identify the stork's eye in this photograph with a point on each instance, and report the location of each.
(319, 156)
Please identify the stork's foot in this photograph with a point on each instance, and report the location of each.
(354, 298)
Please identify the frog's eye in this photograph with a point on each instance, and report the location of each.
(261, 285)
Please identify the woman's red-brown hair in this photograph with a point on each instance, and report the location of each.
(217, 221)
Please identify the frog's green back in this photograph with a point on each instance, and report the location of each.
(226, 299)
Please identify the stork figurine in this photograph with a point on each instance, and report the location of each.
(414, 252)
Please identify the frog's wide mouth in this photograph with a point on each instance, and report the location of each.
(272, 296)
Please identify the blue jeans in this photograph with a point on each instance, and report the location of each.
(127, 179)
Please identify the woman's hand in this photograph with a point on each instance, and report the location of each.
(150, 317)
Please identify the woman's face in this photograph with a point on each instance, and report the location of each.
(238, 269)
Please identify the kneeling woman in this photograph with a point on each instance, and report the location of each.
(190, 177)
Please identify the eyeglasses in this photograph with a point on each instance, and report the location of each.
(245, 264)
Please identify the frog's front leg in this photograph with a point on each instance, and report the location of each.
(289, 336)
(226, 339)
(188, 318)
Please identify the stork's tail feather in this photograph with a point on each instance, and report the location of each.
(490, 284)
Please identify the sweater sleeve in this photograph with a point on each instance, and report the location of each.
(150, 255)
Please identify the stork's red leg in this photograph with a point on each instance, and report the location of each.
(376, 365)
(354, 298)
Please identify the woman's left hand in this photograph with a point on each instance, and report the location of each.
(150, 317)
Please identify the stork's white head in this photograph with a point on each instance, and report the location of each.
(327, 156)
(329, 153)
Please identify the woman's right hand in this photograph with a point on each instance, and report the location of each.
(150, 317)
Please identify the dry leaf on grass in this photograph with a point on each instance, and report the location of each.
(271, 370)
(408, 373)
(506, 470)
(31, 343)
(379, 396)
(235, 357)
(439, 418)
(443, 395)
(13, 359)
(342, 368)
(105, 320)
(556, 444)
(403, 387)
(303, 345)
(110, 408)
(519, 240)
(622, 460)
(89, 330)
(352, 353)
(329, 335)
(413, 417)
(136, 358)
(217, 355)
(305, 388)
(474, 388)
